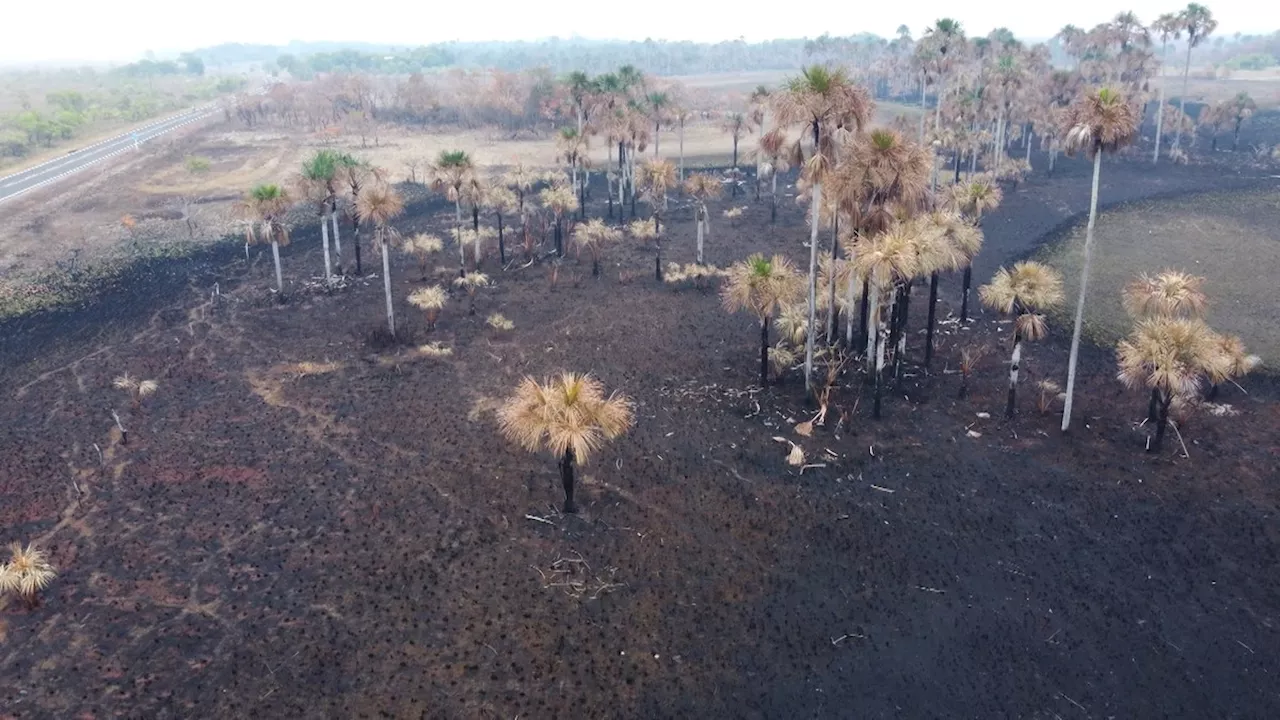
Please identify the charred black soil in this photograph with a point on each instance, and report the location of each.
(302, 525)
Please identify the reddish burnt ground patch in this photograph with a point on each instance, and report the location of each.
(354, 541)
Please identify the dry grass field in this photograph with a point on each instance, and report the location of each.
(1232, 239)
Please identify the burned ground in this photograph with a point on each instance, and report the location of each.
(304, 525)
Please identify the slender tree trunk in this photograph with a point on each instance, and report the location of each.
(933, 308)
(1015, 363)
(566, 478)
(900, 351)
(1084, 284)
(559, 244)
(657, 128)
(1153, 405)
(1235, 139)
(355, 240)
(1163, 421)
(831, 296)
(386, 287)
(964, 298)
(657, 262)
(682, 150)
(1027, 138)
(1053, 153)
(1182, 101)
(735, 167)
(773, 198)
(923, 112)
(1213, 144)
(850, 294)
(502, 247)
(879, 372)
(275, 256)
(1155, 158)
(863, 314)
(764, 351)
(959, 156)
(337, 238)
(937, 104)
(816, 201)
(871, 319)
(324, 238)
(475, 218)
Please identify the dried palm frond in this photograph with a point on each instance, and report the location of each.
(792, 323)
(888, 256)
(1236, 362)
(147, 387)
(497, 321)
(1169, 293)
(970, 356)
(27, 572)
(568, 412)
(435, 350)
(429, 298)
(1102, 120)
(733, 213)
(559, 199)
(642, 230)
(379, 203)
(472, 282)
(1031, 326)
(126, 382)
(1048, 392)
(760, 285)
(1169, 354)
(1028, 286)
(781, 359)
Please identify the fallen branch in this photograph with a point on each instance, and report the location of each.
(538, 519)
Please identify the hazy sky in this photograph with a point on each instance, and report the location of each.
(114, 30)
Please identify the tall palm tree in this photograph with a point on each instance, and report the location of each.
(1167, 294)
(356, 173)
(757, 115)
(1169, 356)
(821, 100)
(948, 250)
(267, 205)
(886, 260)
(1102, 121)
(570, 416)
(1023, 293)
(703, 188)
(946, 39)
(572, 147)
(379, 204)
(580, 89)
(449, 174)
(771, 154)
(979, 195)
(1198, 24)
(762, 286)
(560, 201)
(682, 116)
(659, 106)
(1241, 108)
(657, 178)
(1169, 27)
(502, 201)
(316, 183)
(737, 126)
(26, 574)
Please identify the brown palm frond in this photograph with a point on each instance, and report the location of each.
(1236, 361)
(1031, 326)
(429, 298)
(792, 323)
(559, 199)
(975, 197)
(27, 572)
(1169, 354)
(568, 412)
(889, 256)
(642, 230)
(379, 204)
(1101, 120)
(703, 186)
(1027, 287)
(1169, 293)
(760, 285)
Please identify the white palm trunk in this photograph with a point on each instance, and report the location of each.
(337, 239)
(1014, 364)
(873, 320)
(1084, 284)
(698, 221)
(386, 287)
(1182, 104)
(275, 255)
(682, 150)
(324, 236)
(1028, 135)
(816, 201)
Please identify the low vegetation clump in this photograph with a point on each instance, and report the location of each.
(568, 415)
(499, 322)
(27, 572)
(430, 300)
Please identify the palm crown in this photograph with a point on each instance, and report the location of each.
(761, 285)
(566, 413)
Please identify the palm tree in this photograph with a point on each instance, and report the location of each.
(762, 286)
(423, 246)
(758, 102)
(560, 200)
(594, 235)
(1168, 27)
(502, 201)
(572, 147)
(974, 198)
(885, 259)
(682, 116)
(1169, 293)
(431, 301)
(450, 174)
(1102, 121)
(1169, 356)
(946, 39)
(521, 180)
(470, 284)
(659, 106)
(568, 415)
(951, 248)
(1197, 23)
(737, 126)
(379, 204)
(315, 183)
(580, 89)
(703, 188)
(1023, 292)
(657, 177)
(267, 206)
(356, 173)
(821, 99)
(26, 574)
(772, 148)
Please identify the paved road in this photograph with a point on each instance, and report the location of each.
(11, 186)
